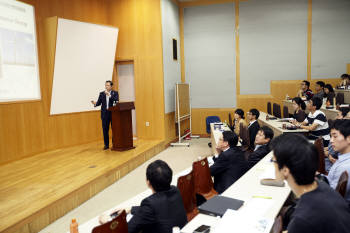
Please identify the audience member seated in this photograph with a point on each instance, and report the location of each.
(262, 140)
(340, 140)
(239, 119)
(161, 211)
(305, 90)
(299, 109)
(330, 95)
(319, 88)
(253, 126)
(316, 122)
(345, 80)
(230, 165)
(319, 208)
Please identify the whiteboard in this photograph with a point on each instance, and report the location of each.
(84, 60)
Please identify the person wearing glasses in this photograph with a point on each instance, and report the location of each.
(319, 208)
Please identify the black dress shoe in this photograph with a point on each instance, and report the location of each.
(105, 147)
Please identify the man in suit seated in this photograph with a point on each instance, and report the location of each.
(230, 165)
(262, 141)
(161, 211)
(253, 126)
(319, 208)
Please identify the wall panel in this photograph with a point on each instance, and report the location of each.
(273, 43)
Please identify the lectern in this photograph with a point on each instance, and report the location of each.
(122, 126)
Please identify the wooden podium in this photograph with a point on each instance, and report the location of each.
(122, 126)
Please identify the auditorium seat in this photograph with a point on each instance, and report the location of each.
(244, 135)
(203, 183)
(269, 108)
(342, 183)
(276, 110)
(230, 122)
(277, 225)
(285, 112)
(319, 145)
(339, 99)
(117, 225)
(186, 186)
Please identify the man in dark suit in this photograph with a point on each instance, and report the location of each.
(253, 126)
(230, 165)
(262, 141)
(106, 99)
(161, 211)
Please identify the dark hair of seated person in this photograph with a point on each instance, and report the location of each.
(159, 174)
(267, 132)
(343, 126)
(320, 83)
(344, 76)
(299, 102)
(296, 153)
(240, 112)
(230, 137)
(307, 83)
(329, 87)
(255, 113)
(316, 102)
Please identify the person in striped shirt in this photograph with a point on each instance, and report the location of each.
(316, 121)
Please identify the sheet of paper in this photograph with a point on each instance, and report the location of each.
(249, 219)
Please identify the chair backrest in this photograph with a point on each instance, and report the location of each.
(244, 135)
(186, 186)
(276, 110)
(285, 112)
(230, 122)
(202, 178)
(277, 225)
(342, 183)
(211, 119)
(269, 108)
(339, 99)
(319, 145)
(117, 225)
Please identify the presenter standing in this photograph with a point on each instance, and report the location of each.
(106, 99)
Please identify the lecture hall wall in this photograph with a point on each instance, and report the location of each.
(276, 45)
(27, 128)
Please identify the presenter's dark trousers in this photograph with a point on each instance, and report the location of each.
(106, 122)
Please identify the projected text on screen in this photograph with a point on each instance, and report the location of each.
(19, 73)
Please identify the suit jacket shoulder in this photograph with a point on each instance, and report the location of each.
(257, 155)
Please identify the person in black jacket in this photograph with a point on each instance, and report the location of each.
(262, 140)
(230, 165)
(106, 99)
(161, 211)
(253, 126)
(319, 208)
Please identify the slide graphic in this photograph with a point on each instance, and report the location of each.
(19, 74)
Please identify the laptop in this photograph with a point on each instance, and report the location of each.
(218, 205)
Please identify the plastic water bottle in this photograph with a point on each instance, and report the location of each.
(74, 226)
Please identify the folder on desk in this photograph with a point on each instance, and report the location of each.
(218, 205)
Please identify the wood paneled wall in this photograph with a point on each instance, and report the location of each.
(140, 39)
(27, 128)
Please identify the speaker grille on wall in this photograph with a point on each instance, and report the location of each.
(174, 49)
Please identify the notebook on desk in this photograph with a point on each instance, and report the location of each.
(218, 205)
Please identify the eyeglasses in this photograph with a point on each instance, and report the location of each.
(273, 161)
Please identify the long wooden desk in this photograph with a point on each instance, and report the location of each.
(276, 126)
(246, 188)
(346, 94)
(330, 113)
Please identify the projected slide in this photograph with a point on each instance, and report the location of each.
(19, 73)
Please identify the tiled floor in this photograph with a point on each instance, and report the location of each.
(178, 158)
